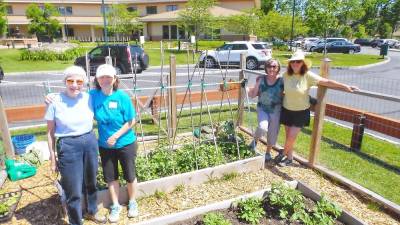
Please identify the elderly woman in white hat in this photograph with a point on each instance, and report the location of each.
(295, 112)
(69, 118)
(115, 116)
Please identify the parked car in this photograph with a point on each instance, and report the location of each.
(377, 43)
(363, 41)
(312, 45)
(119, 54)
(308, 40)
(338, 47)
(229, 54)
(391, 42)
(1, 74)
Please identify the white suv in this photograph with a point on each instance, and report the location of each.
(229, 55)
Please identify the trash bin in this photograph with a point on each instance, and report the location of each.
(384, 50)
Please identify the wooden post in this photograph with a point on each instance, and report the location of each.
(358, 132)
(319, 116)
(242, 91)
(172, 96)
(5, 133)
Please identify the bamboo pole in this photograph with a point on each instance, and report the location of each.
(319, 115)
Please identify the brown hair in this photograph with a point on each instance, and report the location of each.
(303, 69)
(115, 85)
(269, 62)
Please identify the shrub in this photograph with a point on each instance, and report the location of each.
(46, 55)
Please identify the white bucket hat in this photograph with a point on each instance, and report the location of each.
(105, 70)
(75, 70)
(298, 55)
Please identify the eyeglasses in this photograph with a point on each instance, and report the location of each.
(71, 82)
(296, 61)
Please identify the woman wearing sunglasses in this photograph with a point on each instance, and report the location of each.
(296, 102)
(269, 89)
(70, 120)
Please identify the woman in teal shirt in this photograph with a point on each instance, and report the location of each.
(115, 116)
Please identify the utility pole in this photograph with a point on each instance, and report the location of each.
(103, 10)
(291, 33)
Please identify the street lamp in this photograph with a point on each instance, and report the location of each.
(103, 10)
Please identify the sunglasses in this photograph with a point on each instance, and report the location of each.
(71, 82)
(272, 67)
(296, 61)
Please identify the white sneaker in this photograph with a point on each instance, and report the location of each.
(114, 214)
(133, 209)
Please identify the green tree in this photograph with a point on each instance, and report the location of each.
(196, 17)
(41, 21)
(3, 20)
(280, 26)
(347, 32)
(360, 32)
(385, 31)
(122, 21)
(267, 5)
(247, 23)
(321, 16)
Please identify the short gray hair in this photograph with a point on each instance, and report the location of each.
(75, 70)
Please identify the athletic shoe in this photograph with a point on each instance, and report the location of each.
(133, 210)
(114, 214)
(253, 145)
(279, 158)
(267, 157)
(286, 162)
(97, 218)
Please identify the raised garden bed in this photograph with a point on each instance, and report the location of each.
(192, 163)
(278, 205)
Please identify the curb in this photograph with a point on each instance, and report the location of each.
(388, 59)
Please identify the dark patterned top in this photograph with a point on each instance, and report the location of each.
(270, 96)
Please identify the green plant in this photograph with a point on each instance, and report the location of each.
(229, 176)
(4, 206)
(179, 188)
(215, 219)
(160, 194)
(325, 212)
(290, 202)
(251, 210)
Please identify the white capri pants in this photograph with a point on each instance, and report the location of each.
(268, 123)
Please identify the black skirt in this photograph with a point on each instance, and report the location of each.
(295, 118)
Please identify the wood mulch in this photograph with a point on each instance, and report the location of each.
(40, 204)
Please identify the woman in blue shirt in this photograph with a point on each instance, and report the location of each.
(115, 118)
(70, 119)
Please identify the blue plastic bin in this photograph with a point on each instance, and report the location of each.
(20, 142)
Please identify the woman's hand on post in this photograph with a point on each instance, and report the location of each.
(351, 88)
(48, 99)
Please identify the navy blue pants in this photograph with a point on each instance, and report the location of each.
(78, 164)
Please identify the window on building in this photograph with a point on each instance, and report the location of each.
(69, 31)
(172, 8)
(65, 10)
(165, 32)
(151, 9)
(181, 33)
(174, 32)
(10, 10)
(132, 8)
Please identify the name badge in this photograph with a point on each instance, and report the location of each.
(112, 105)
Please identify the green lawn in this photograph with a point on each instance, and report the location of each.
(334, 154)
(9, 58)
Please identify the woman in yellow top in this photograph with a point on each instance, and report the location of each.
(295, 112)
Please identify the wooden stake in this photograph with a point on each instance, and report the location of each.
(242, 91)
(5, 132)
(319, 116)
(172, 96)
